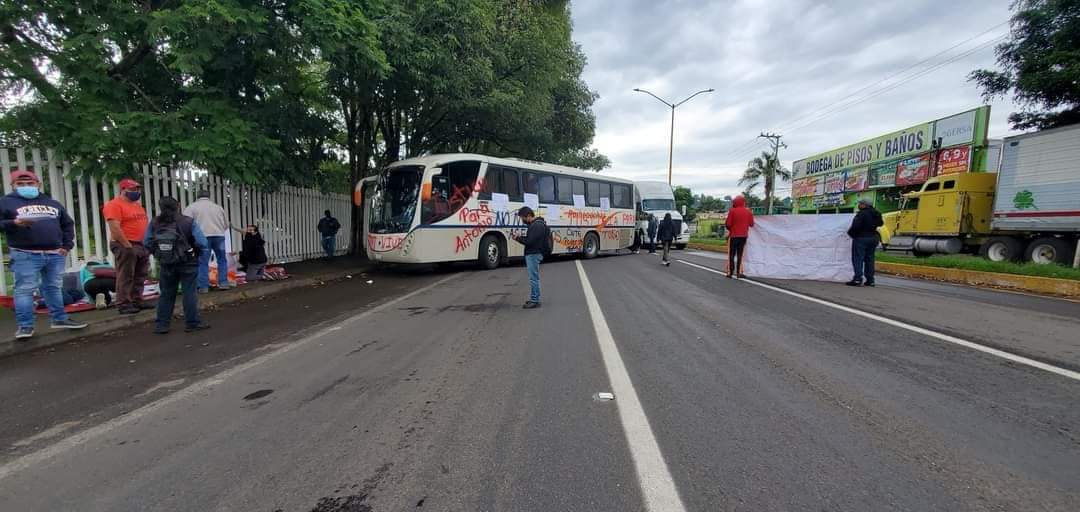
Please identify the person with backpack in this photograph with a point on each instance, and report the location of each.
(864, 242)
(328, 227)
(176, 242)
(652, 234)
(538, 243)
(666, 233)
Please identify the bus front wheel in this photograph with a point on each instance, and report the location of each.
(490, 252)
(591, 246)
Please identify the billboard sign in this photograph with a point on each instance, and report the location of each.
(857, 179)
(953, 160)
(834, 183)
(913, 171)
(883, 174)
(956, 130)
(909, 141)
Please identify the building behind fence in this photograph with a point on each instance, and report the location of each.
(287, 218)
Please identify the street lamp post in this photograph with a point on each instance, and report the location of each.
(673, 106)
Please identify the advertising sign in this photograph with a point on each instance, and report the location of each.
(913, 171)
(804, 187)
(883, 174)
(819, 185)
(834, 183)
(956, 130)
(953, 160)
(829, 200)
(909, 141)
(857, 179)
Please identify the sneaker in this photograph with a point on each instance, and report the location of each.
(68, 324)
(869, 283)
(100, 302)
(667, 263)
(23, 333)
(161, 330)
(730, 275)
(200, 327)
(531, 305)
(742, 276)
(853, 283)
(128, 309)
(204, 290)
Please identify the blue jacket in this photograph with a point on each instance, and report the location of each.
(52, 228)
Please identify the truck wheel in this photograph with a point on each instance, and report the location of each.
(1002, 248)
(591, 247)
(490, 252)
(1049, 250)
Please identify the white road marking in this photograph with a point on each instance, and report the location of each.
(1064, 372)
(203, 386)
(657, 486)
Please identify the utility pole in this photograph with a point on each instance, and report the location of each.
(770, 180)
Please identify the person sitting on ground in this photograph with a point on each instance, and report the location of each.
(98, 282)
(253, 254)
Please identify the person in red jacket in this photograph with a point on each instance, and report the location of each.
(738, 223)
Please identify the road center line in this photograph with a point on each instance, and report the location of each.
(1064, 372)
(200, 387)
(657, 486)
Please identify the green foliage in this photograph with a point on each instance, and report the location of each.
(765, 168)
(1040, 64)
(282, 91)
(684, 197)
(963, 262)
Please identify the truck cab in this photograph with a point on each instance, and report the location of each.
(948, 214)
(657, 198)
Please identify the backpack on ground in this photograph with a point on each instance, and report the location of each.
(171, 247)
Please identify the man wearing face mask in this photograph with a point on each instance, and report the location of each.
(40, 233)
(127, 227)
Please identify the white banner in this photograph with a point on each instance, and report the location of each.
(811, 247)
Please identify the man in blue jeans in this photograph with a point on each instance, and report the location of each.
(328, 229)
(40, 233)
(537, 242)
(215, 225)
(864, 242)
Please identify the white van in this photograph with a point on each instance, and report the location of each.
(657, 198)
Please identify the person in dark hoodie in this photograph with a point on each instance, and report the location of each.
(40, 233)
(864, 241)
(537, 242)
(253, 254)
(666, 233)
(739, 221)
(652, 234)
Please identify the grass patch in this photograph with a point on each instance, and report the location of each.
(715, 242)
(963, 262)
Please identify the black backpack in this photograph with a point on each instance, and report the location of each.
(171, 245)
(549, 242)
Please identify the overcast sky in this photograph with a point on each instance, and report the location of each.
(776, 65)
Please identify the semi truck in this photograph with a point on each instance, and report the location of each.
(657, 198)
(1027, 211)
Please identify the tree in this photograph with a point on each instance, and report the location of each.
(1040, 64)
(684, 197)
(765, 168)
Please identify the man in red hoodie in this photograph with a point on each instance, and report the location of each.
(739, 221)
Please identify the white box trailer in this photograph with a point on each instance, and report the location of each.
(1036, 213)
(657, 198)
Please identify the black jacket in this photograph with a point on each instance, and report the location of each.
(537, 238)
(329, 226)
(652, 227)
(254, 249)
(52, 227)
(866, 223)
(667, 232)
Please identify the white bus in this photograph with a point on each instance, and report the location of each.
(463, 207)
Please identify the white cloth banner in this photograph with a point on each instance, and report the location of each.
(811, 247)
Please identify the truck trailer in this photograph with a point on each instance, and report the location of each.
(1027, 211)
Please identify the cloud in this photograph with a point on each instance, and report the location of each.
(772, 63)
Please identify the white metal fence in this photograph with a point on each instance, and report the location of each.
(286, 218)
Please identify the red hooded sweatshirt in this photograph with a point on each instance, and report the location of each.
(739, 219)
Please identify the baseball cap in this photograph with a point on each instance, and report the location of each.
(866, 202)
(16, 175)
(127, 183)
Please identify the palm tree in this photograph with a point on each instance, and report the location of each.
(765, 167)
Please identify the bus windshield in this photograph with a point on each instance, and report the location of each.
(394, 199)
(657, 204)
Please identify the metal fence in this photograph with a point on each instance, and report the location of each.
(287, 218)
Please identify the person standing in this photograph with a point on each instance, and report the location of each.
(652, 234)
(40, 233)
(537, 242)
(127, 227)
(177, 243)
(253, 254)
(864, 242)
(666, 232)
(739, 221)
(215, 225)
(328, 228)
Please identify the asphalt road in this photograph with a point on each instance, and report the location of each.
(438, 392)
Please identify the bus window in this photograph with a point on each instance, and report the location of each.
(394, 199)
(620, 196)
(579, 188)
(566, 191)
(592, 194)
(508, 184)
(605, 191)
(460, 178)
(542, 185)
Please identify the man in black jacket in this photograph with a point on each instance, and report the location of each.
(40, 233)
(537, 242)
(864, 241)
(666, 233)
